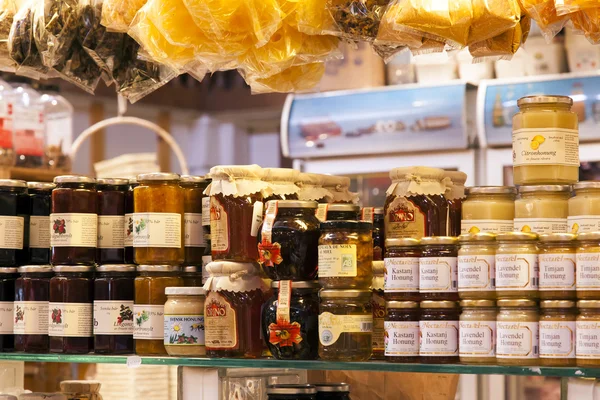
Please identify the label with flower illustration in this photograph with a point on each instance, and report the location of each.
(73, 230)
(151, 229)
(402, 338)
(39, 232)
(337, 260)
(184, 330)
(221, 325)
(70, 319)
(404, 219)
(110, 231)
(219, 227)
(545, 146)
(486, 225)
(31, 318)
(148, 321)
(269, 252)
(331, 326)
(541, 225)
(11, 232)
(194, 234)
(113, 317)
(7, 316)
(128, 231)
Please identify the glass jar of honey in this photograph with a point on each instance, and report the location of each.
(112, 201)
(455, 194)
(477, 332)
(477, 266)
(517, 332)
(557, 266)
(489, 209)
(402, 331)
(439, 332)
(517, 268)
(542, 209)
(557, 333)
(401, 275)
(587, 282)
(282, 183)
(184, 321)
(587, 327)
(545, 141)
(194, 238)
(584, 208)
(438, 279)
(40, 195)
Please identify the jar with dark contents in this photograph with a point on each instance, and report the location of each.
(14, 222)
(455, 194)
(441, 204)
(40, 198)
(74, 221)
(438, 279)
(70, 326)
(290, 320)
(378, 234)
(345, 325)
(333, 391)
(289, 240)
(282, 183)
(32, 295)
(439, 332)
(402, 332)
(128, 232)
(302, 391)
(112, 204)
(192, 276)
(194, 238)
(342, 212)
(378, 306)
(113, 309)
(401, 263)
(207, 256)
(7, 299)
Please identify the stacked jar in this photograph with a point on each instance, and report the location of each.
(588, 295)
(195, 238)
(454, 194)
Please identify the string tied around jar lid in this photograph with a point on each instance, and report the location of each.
(409, 181)
(233, 276)
(236, 180)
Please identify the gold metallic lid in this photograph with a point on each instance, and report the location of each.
(439, 304)
(10, 270)
(295, 204)
(586, 185)
(544, 99)
(378, 210)
(192, 179)
(35, 269)
(116, 268)
(516, 303)
(477, 303)
(13, 183)
(477, 237)
(158, 268)
(588, 236)
(438, 240)
(343, 207)
(158, 176)
(491, 190)
(41, 185)
(343, 293)
(74, 179)
(112, 181)
(516, 236)
(72, 268)
(401, 304)
(588, 304)
(545, 188)
(402, 242)
(557, 237)
(298, 284)
(557, 304)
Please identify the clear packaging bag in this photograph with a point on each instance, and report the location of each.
(312, 17)
(564, 7)
(294, 79)
(8, 9)
(587, 22)
(544, 14)
(503, 46)
(117, 15)
(493, 17)
(55, 28)
(357, 19)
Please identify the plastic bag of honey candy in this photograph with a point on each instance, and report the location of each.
(312, 17)
(390, 42)
(493, 17)
(503, 46)
(570, 6)
(587, 22)
(544, 14)
(429, 46)
(357, 19)
(298, 78)
(118, 14)
(8, 9)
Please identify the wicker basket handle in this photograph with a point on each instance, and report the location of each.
(132, 121)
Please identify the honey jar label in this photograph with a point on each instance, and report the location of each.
(557, 271)
(401, 338)
(517, 272)
(557, 339)
(367, 214)
(545, 146)
(148, 322)
(486, 226)
(477, 338)
(184, 330)
(401, 274)
(331, 326)
(11, 232)
(438, 274)
(584, 223)
(113, 317)
(321, 212)
(206, 211)
(404, 219)
(221, 323)
(31, 317)
(70, 319)
(39, 232)
(438, 338)
(270, 216)
(517, 339)
(157, 230)
(476, 273)
(588, 271)
(110, 231)
(588, 339)
(7, 322)
(219, 227)
(128, 231)
(541, 225)
(283, 301)
(337, 260)
(378, 306)
(193, 231)
(73, 230)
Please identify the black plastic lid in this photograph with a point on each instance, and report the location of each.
(350, 225)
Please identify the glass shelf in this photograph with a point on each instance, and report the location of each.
(135, 361)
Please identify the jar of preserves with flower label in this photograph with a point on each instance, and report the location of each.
(14, 216)
(40, 198)
(194, 238)
(112, 202)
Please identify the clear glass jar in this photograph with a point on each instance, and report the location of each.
(438, 268)
(587, 282)
(557, 266)
(545, 141)
(342, 212)
(455, 195)
(477, 266)
(28, 125)
(542, 209)
(7, 315)
(40, 198)
(59, 128)
(112, 197)
(158, 229)
(402, 331)
(192, 276)
(14, 217)
(291, 392)
(345, 255)
(184, 321)
(557, 333)
(489, 209)
(439, 332)
(345, 325)
(587, 327)
(517, 268)
(401, 276)
(584, 208)
(128, 234)
(517, 332)
(194, 238)
(378, 306)
(477, 330)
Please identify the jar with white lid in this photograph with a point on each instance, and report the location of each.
(184, 321)
(311, 188)
(542, 209)
(584, 207)
(488, 209)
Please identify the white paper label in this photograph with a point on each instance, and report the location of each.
(541, 225)
(517, 272)
(219, 227)
(588, 339)
(486, 225)
(70, 319)
(257, 218)
(194, 234)
(401, 338)
(184, 330)
(438, 338)
(11, 232)
(584, 223)
(477, 338)
(437, 274)
(545, 146)
(157, 230)
(39, 232)
(7, 317)
(476, 273)
(148, 322)
(557, 339)
(73, 230)
(206, 211)
(59, 130)
(517, 340)
(367, 214)
(401, 274)
(557, 271)
(31, 318)
(205, 261)
(113, 317)
(110, 231)
(128, 231)
(588, 271)
(331, 326)
(321, 212)
(337, 260)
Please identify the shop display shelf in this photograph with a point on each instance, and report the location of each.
(31, 174)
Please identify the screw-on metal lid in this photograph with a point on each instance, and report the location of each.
(295, 204)
(116, 268)
(332, 387)
(516, 303)
(402, 242)
(40, 269)
(298, 284)
(112, 181)
(343, 207)
(9, 270)
(192, 179)
(588, 236)
(158, 268)
(343, 293)
(351, 225)
(557, 304)
(477, 303)
(192, 269)
(378, 211)
(545, 188)
(438, 240)
(74, 179)
(545, 99)
(586, 185)
(588, 304)
(516, 236)
(439, 304)
(557, 237)
(291, 389)
(477, 237)
(401, 304)
(72, 268)
(158, 176)
(185, 291)
(41, 185)
(491, 190)
(14, 183)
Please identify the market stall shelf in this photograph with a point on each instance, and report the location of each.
(30, 174)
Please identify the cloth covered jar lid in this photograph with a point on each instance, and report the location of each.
(311, 187)
(455, 184)
(281, 181)
(236, 180)
(233, 276)
(338, 187)
(416, 181)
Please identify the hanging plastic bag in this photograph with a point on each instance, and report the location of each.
(312, 17)
(390, 42)
(544, 14)
(493, 17)
(587, 22)
(357, 19)
(503, 46)
(55, 28)
(294, 79)
(79, 68)
(117, 15)
(8, 9)
(570, 6)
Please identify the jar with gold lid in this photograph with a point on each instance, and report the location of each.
(557, 333)
(438, 328)
(517, 332)
(542, 209)
(402, 331)
(587, 282)
(557, 266)
(437, 268)
(587, 327)
(401, 275)
(477, 332)
(488, 209)
(477, 266)
(584, 208)
(545, 141)
(517, 269)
